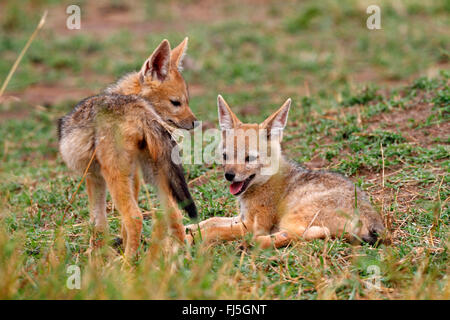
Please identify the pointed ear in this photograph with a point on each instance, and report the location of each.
(178, 54)
(157, 66)
(278, 120)
(227, 119)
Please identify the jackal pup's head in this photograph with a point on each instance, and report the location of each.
(161, 82)
(251, 152)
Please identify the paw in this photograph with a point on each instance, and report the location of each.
(193, 233)
(191, 228)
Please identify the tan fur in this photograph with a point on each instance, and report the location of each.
(159, 93)
(123, 130)
(293, 202)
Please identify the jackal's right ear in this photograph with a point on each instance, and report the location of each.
(227, 119)
(157, 66)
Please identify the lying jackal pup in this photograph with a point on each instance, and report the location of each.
(279, 200)
(123, 129)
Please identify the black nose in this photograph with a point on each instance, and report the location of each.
(230, 176)
(195, 124)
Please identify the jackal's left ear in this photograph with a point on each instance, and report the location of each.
(157, 66)
(178, 54)
(278, 120)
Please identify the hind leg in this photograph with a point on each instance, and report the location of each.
(136, 185)
(123, 232)
(176, 222)
(119, 182)
(96, 189)
(174, 218)
(316, 232)
(123, 197)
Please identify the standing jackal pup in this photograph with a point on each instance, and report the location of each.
(123, 129)
(279, 200)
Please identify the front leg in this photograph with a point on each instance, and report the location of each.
(284, 237)
(218, 229)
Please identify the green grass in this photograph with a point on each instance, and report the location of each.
(365, 102)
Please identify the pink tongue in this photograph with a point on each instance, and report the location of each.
(235, 187)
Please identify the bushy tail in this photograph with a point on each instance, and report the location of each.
(158, 166)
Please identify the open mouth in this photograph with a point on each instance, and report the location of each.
(236, 188)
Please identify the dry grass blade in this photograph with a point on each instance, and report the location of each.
(22, 53)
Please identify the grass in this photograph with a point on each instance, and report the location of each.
(365, 104)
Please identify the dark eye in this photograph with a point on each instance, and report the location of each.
(224, 156)
(176, 103)
(250, 158)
